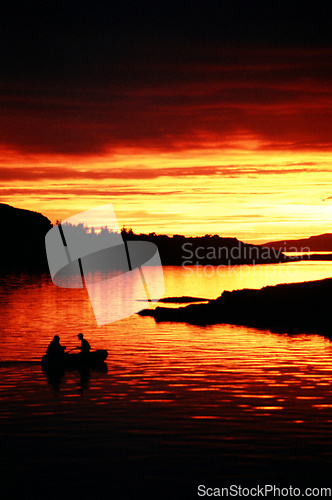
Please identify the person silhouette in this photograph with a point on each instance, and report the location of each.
(85, 346)
(55, 349)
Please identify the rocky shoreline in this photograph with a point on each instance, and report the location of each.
(292, 308)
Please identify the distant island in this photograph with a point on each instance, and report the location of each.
(320, 243)
(292, 308)
(182, 300)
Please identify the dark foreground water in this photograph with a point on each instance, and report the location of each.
(179, 405)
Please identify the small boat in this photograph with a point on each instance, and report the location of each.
(93, 359)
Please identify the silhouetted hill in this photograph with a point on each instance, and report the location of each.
(23, 239)
(291, 308)
(320, 243)
(207, 250)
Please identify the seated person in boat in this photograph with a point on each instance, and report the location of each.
(55, 349)
(85, 346)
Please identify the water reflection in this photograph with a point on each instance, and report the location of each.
(56, 378)
(240, 395)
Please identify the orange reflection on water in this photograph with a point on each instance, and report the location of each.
(200, 372)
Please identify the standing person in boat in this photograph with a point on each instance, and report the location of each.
(85, 346)
(55, 349)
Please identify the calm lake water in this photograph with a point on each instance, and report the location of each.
(180, 405)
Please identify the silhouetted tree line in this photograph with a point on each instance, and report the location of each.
(23, 244)
(204, 250)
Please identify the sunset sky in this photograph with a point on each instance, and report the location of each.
(190, 117)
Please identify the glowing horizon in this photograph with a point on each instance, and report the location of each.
(251, 194)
